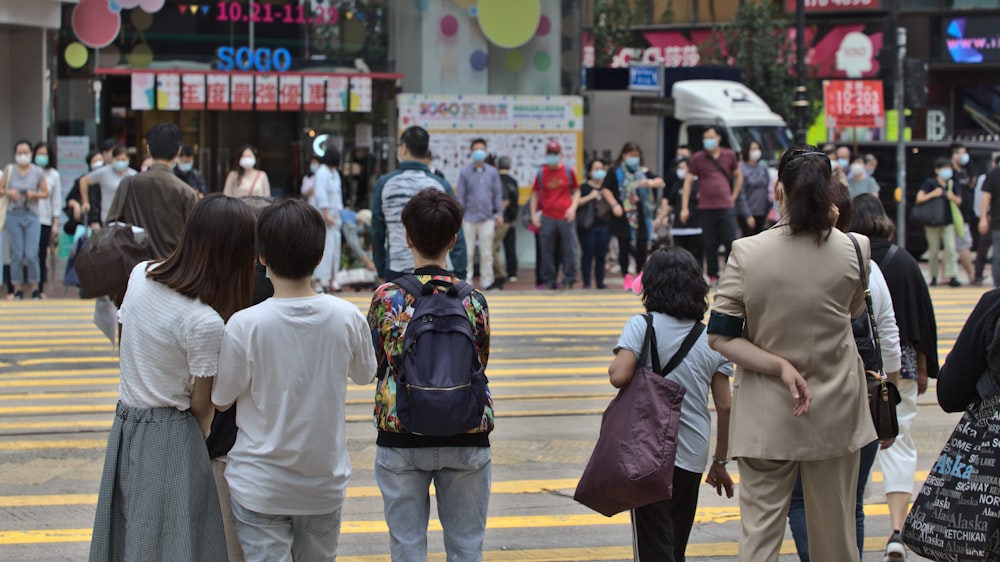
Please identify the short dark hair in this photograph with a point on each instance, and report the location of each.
(214, 259)
(941, 163)
(996, 160)
(432, 219)
(712, 128)
(331, 157)
(868, 217)
(290, 237)
(590, 165)
(955, 147)
(672, 284)
(807, 178)
(52, 157)
(503, 163)
(745, 153)
(109, 144)
(164, 141)
(25, 142)
(187, 150)
(417, 141)
(118, 150)
(478, 140)
(629, 146)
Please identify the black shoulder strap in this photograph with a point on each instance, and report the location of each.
(410, 284)
(647, 344)
(868, 305)
(887, 258)
(685, 347)
(719, 166)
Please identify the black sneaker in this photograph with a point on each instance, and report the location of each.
(933, 282)
(18, 296)
(36, 295)
(954, 283)
(894, 549)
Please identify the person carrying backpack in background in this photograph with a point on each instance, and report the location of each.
(433, 409)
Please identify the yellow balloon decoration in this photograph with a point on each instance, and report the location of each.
(76, 55)
(509, 23)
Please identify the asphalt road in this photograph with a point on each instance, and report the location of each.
(548, 371)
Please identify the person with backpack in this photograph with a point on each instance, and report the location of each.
(433, 408)
(557, 194)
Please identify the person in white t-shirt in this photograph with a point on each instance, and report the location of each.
(285, 364)
(158, 499)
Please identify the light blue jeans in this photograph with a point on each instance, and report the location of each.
(23, 232)
(283, 538)
(461, 476)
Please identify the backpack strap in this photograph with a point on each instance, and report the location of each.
(411, 285)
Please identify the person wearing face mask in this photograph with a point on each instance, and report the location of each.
(308, 188)
(754, 200)
(186, 171)
(24, 185)
(556, 194)
(49, 210)
(844, 158)
(329, 200)
(687, 235)
(480, 191)
(74, 200)
(858, 180)
(246, 179)
(592, 225)
(107, 178)
(721, 181)
(943, 229)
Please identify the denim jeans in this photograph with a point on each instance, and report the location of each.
(461, 477)
(594, 250)
(797, 510)
(23, 232)
(558, 242)
(282, 538)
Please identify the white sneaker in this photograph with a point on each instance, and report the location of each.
(894, 549)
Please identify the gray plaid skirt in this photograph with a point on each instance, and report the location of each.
(157, 500)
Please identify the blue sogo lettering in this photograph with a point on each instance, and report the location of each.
(261, 60)
(244, 58)
(225, 58)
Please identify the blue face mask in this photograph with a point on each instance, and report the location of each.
(632, 163)
(42, 160)
(313, 168)
(552, 160)
(843, 163)
(120, 165)
(599, 174)
(946, 174)
(710, 144)
(478, 156)
(185, 166)
(963, 159)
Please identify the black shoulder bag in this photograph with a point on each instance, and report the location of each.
(883, 396)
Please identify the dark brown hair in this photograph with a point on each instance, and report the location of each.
(239, 156)
(842, 199)
(868, 217)
(745, 153)
(807, 178)
(214, 260)
(432, 219)
(290, 238)
(629, 146)
(672, 284)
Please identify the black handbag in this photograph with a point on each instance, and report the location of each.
(883, 396)
(931, 213)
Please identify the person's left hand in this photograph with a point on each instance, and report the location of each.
(751, 222)
(921, 382)
(884, 444)
(570, 214)
(720, 478)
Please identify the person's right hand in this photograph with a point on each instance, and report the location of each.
(536, 220)
(86, 208)
(617, 211)
(984, 226)
(14, 195)
(798, 387)
(685, 215)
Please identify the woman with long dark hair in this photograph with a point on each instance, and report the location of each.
(782, 313)
(676, 294)
(246, 179)
(49, 209)
(158, 499)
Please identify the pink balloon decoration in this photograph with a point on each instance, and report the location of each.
(94, 24)
(151, 6)
(449, 26)
(544, 26)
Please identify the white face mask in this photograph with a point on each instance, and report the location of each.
(248, 162)
(858, 170)
(755, 155)
(681, 173)
(97, 164)
(22, 159)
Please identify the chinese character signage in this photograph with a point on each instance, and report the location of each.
(314, 93)
(168, 92)
(193, 91)
(854, 103)
(218, 92)
(452, 112)
(241, 93)
(835, 5)
(267, 92)
(290, 93)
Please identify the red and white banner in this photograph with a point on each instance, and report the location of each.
(218, 92)
(267, 92)
(193, 91)
(168, 92)
(314, 90)
(336, 94)
(241, 92)
(854, 103)
(290, 93)
(361, 94)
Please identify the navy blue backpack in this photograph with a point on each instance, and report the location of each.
(441, 386)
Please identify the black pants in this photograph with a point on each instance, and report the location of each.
(660, 530)
(695, 245)
(719, 228)
(982, 253)
(510, 250)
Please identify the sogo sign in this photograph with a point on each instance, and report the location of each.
(261, 60)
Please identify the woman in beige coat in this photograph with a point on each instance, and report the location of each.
(783, 314)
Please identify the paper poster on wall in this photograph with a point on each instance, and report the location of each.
(193, 91)
(336, 94)
(518, 127)
(361, 94)
(72, 151)
(143, 91)
(168, 92)
(218, 92)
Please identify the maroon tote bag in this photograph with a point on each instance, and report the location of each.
(633, 462)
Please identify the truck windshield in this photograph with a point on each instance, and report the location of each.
(774, 140)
